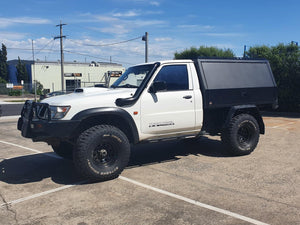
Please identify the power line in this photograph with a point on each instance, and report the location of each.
(77, 53)
(71, 52)
(39, 50)
(51, 48)
(96, 57)
(104, 45)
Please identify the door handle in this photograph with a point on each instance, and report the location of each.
(187, 97)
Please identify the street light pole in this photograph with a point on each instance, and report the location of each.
(34, 81)
(145, 38)
(245, 47)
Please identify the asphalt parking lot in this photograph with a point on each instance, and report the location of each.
(182, 182)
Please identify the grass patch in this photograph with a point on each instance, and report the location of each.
(14, 100)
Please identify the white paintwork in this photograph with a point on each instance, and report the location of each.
(169, 109)
(89, 98)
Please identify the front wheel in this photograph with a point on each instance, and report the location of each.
(101, 153)
(63, 149)
(242, 135)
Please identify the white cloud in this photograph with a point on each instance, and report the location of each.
(223, 34)
(11, 36)
(23, 48)
(196, 27)
(5, 22)
(40, 43)
(163, 39)
(130, 13)
(154, 3)
(105, 18)
(115, 29)
(144, 23)
(119, 23)
(156, 12)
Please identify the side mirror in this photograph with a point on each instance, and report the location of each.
(158, 86)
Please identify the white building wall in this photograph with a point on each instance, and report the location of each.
(49, 73)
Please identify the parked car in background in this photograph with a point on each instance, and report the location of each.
(54, 93)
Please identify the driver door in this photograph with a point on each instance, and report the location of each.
(171, 110)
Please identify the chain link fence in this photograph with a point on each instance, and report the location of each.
(71, 85)
(16, 89)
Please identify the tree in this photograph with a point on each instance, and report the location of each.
(204, 51)
(3, 63)
(2, 81)
(39, 88)
(285, 63)
(22, 72)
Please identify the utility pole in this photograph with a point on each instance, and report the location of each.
(61, 53)
(145, 38)
(245, 47)
(34, 81)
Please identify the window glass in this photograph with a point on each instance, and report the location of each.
(71, 85)
(175, 76)
(133, 76)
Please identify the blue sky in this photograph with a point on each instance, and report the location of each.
(172, 26)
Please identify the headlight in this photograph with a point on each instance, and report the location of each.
(59, 112)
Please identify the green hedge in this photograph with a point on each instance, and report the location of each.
(15, 93)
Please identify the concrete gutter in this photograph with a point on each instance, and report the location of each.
(9, 118)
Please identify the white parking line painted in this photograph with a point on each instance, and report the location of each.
(40, 194)
(191, 201)
(188, 200)
(283, 125)
(32, 150)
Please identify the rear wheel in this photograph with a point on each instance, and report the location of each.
(101, 153)
(242, 135)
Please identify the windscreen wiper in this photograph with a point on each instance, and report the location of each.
(128, 86)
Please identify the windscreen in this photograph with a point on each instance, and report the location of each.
(133, 76)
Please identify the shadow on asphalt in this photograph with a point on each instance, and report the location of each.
(152, 153)
(35, 168)
(292, 115)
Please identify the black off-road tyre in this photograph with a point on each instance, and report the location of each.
(242, 135)
(63, 149)
(101, 153)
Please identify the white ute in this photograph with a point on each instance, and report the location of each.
(155, 101)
